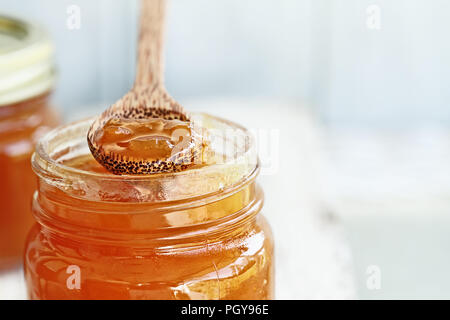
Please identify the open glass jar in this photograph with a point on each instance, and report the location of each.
(195, 234)
(26, 80)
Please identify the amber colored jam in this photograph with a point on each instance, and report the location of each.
(100, 237)
(21, 124)
(149, 139)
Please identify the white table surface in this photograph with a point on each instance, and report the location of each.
(391, 189)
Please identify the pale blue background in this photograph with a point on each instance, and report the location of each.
(317, 51)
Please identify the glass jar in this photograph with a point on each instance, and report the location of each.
(26, 79)
(195, 234)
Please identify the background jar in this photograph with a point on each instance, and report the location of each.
(26, 80)
(196, 234)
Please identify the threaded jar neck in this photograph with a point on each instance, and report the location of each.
(209, 201)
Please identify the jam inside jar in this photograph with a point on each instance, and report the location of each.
(194, 234)
(27, 78)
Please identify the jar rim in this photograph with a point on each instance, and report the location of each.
(237, 170)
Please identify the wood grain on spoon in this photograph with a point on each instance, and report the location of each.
(147, 100)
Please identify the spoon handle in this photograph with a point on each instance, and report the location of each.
(150, 64)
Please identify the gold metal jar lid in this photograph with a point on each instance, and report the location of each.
(27, 67)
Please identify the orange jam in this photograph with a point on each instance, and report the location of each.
(194, 234)
(148, 139)
(21, 124)
(143, 146)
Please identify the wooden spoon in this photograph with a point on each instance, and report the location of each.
(148, 99)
